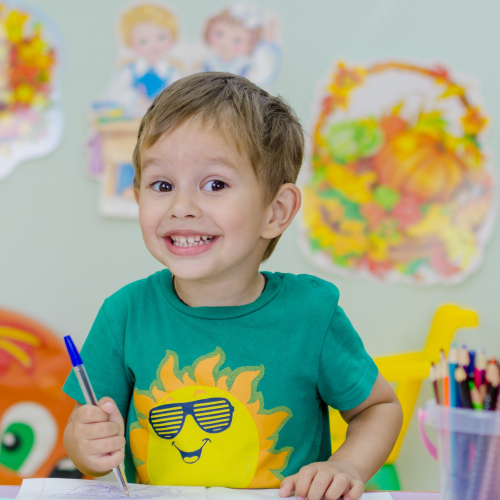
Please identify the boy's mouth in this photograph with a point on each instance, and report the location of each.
(178, 240)
(189, 244)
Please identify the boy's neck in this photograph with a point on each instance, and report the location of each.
(233, 291)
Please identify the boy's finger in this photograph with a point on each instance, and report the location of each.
(105, 445)
(355, 492)
(88, 414)
(108, 461)
(340, 485)
(304, 480)
(99, 430)
(320, 485)
(287, 486)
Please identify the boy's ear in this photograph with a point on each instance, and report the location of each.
(283, 209)
(136, 195)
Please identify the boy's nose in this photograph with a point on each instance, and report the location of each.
(184, 206)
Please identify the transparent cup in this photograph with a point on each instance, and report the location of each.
(468, 451)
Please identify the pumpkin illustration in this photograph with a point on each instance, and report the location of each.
(419, 165)
(33, 409)
(400, 185)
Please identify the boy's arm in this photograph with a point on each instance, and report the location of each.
(373, 428)
(93, 437)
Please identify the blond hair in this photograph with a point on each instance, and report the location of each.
(263, 126)
(147, 13)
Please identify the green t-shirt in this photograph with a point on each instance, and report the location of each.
(225, 396)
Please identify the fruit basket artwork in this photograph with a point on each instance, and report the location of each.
(30, 114)
(399, 186)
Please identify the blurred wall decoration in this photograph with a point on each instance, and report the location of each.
(33, 409)
(400, 186)
(241, 38)
(148, 34)
(30, 113)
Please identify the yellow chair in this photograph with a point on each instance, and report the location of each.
(407, 371)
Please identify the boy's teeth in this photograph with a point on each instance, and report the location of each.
(190, 241)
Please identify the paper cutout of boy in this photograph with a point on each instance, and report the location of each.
(149, 32)
(241, 41)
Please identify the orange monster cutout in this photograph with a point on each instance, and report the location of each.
(33, 409)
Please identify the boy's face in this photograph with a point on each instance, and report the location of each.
(201, 207)
(230, 40)
(151, 41)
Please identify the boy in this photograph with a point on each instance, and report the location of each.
(224, 374)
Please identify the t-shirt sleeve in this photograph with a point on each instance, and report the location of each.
(346, 372)
(102, 355)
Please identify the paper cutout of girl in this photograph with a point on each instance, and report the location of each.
(149, 32)
(244, 41)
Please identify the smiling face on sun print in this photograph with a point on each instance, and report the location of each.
(205, 427)
(198, 452)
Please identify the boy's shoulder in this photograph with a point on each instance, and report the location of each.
(309, 289)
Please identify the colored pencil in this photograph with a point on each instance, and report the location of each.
(471, 365)
(464, 357)
(475, 395)
(460, 442)
(439, 380)
(463, 387)
(480, 368)
(445, 377)
(490, 472)
(432, 376)
(452, 365)
(492, 377)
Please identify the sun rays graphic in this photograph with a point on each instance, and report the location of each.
(202, 426)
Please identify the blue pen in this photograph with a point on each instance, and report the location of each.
(89, 395)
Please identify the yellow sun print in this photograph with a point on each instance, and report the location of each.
(202, 426)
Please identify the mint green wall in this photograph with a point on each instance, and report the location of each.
(60, 259)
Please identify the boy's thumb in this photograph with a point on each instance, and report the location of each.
(107, 405)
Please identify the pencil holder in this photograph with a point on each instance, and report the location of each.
(468, 451)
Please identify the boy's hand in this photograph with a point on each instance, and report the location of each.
(98, 434)
(329, 480)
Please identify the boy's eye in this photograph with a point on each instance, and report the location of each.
(162, 186)
(214, 186)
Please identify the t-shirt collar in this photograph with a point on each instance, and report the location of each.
(227, 312)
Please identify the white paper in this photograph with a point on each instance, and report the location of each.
(216, 493)
(82, 489)
(76, 489)
(379, 495)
